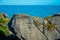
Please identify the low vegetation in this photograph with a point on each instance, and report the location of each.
(3, 25)
(36, 22)
(48, 17)
(50, 26)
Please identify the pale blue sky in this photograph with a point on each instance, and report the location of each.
(29, 2)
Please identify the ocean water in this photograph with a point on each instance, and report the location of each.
(32, 10)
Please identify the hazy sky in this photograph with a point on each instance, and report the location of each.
(29, 2)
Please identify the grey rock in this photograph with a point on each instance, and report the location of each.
(54, 35)
(40, 21)
(56, 20)
(23, 27)
(5, 15)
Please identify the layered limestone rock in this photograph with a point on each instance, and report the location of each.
(23, 27)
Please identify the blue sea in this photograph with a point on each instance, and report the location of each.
(32, 10)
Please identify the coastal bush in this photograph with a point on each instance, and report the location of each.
(3, 25)
(50, 26)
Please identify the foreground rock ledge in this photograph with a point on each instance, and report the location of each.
(23, 27)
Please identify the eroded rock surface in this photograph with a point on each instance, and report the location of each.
(27, 28)
(55, 34)
(23, 27)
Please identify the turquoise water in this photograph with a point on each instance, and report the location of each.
(33, 10)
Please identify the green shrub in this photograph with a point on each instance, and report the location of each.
(50, 26)
(3, 25)
(4, 30)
